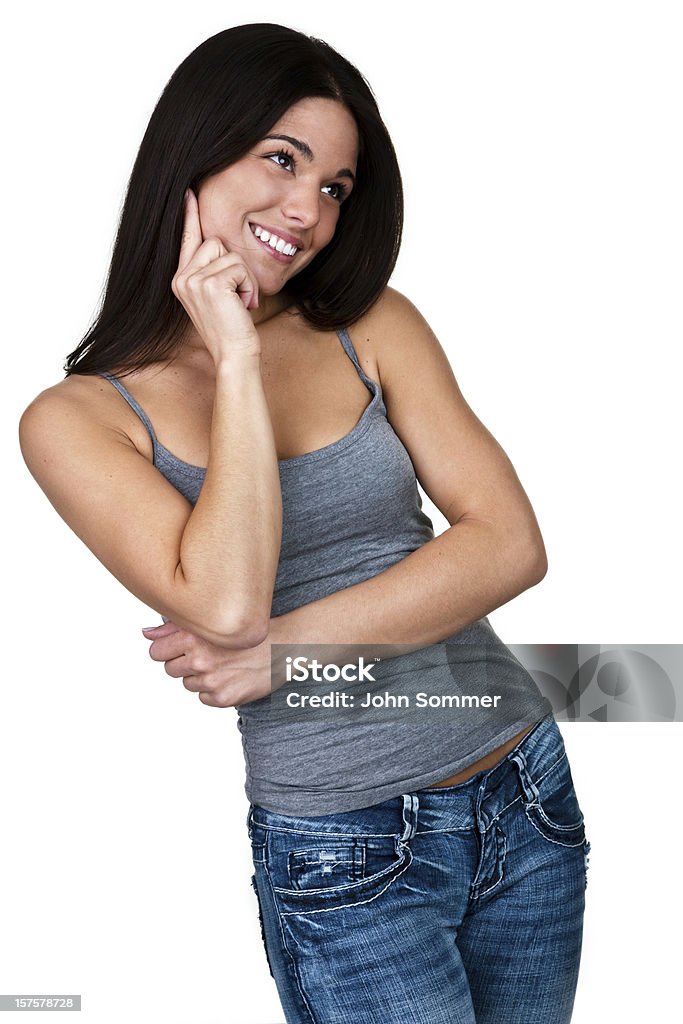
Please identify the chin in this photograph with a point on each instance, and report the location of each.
(272, 284)
(270, 288)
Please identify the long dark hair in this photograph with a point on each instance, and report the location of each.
(219, 103)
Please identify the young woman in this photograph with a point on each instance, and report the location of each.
(238, 439)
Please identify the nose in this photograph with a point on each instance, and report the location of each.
(301, 203)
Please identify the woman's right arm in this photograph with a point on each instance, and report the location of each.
(211, 568)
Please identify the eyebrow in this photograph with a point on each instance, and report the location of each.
(307, 153)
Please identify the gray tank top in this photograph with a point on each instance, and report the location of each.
(350, 510)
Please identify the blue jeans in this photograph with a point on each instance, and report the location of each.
(449, 905)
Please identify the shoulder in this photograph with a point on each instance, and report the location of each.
(80, 406)
(391, 308)
(69, 398)
(391, 311)
(394, 337)
(75, 397)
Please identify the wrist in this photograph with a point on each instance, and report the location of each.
(234, 359)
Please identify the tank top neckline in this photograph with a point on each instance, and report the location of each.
(190, 469)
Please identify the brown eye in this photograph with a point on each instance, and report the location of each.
(341, 191)
(282, 155)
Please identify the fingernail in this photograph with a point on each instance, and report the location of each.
(187, 194)
(148, 629)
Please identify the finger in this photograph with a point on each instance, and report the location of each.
(192, 236)
(238, 277)
(179, 667)
(253, 301)
(244, 286)
(168, 647)
(156, 632)
(194, 683)
(213, 702)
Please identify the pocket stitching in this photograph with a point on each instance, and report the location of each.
(348, 887)
(553, 824)
(350, 857)
(337, 860)
(537, 805)
(344, 906)
(549, 839)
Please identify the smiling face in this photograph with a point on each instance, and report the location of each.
(278, 206)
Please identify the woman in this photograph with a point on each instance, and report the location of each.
(408, 868)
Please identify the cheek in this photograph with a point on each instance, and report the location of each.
(224, 201)
(214, 215)
(327, 228)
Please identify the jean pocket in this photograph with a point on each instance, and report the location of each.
(555, 811)
(334, 873)
(333, 865)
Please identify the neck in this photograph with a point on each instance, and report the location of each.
(269, 306)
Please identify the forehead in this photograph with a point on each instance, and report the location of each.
(325, 125)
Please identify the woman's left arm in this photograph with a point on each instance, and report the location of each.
(492, 551)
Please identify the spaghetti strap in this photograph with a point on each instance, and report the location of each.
(135, 406)
(351, 353)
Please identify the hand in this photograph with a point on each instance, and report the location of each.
(222, 677)
(215, 288)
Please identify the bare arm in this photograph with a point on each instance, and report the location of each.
(493, 550)
(468, 571)
(230, 547)
(211, 569)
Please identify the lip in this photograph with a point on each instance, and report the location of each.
(279, 256)
(284, 235)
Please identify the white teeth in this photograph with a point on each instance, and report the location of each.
(274, 242)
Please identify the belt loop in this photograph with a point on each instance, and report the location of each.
(479, 812)
(411, 806)
(529, 788)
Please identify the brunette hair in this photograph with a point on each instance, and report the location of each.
(220, 102)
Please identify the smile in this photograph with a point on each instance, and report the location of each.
(276, 245)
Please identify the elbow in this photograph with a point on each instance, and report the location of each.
(524, 561)
(252, 633)
(534, 561)
(248, 620)
(240, 631)
(539, 566)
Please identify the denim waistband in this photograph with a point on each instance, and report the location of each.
(470, 804)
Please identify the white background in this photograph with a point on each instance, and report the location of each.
(540, 144)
